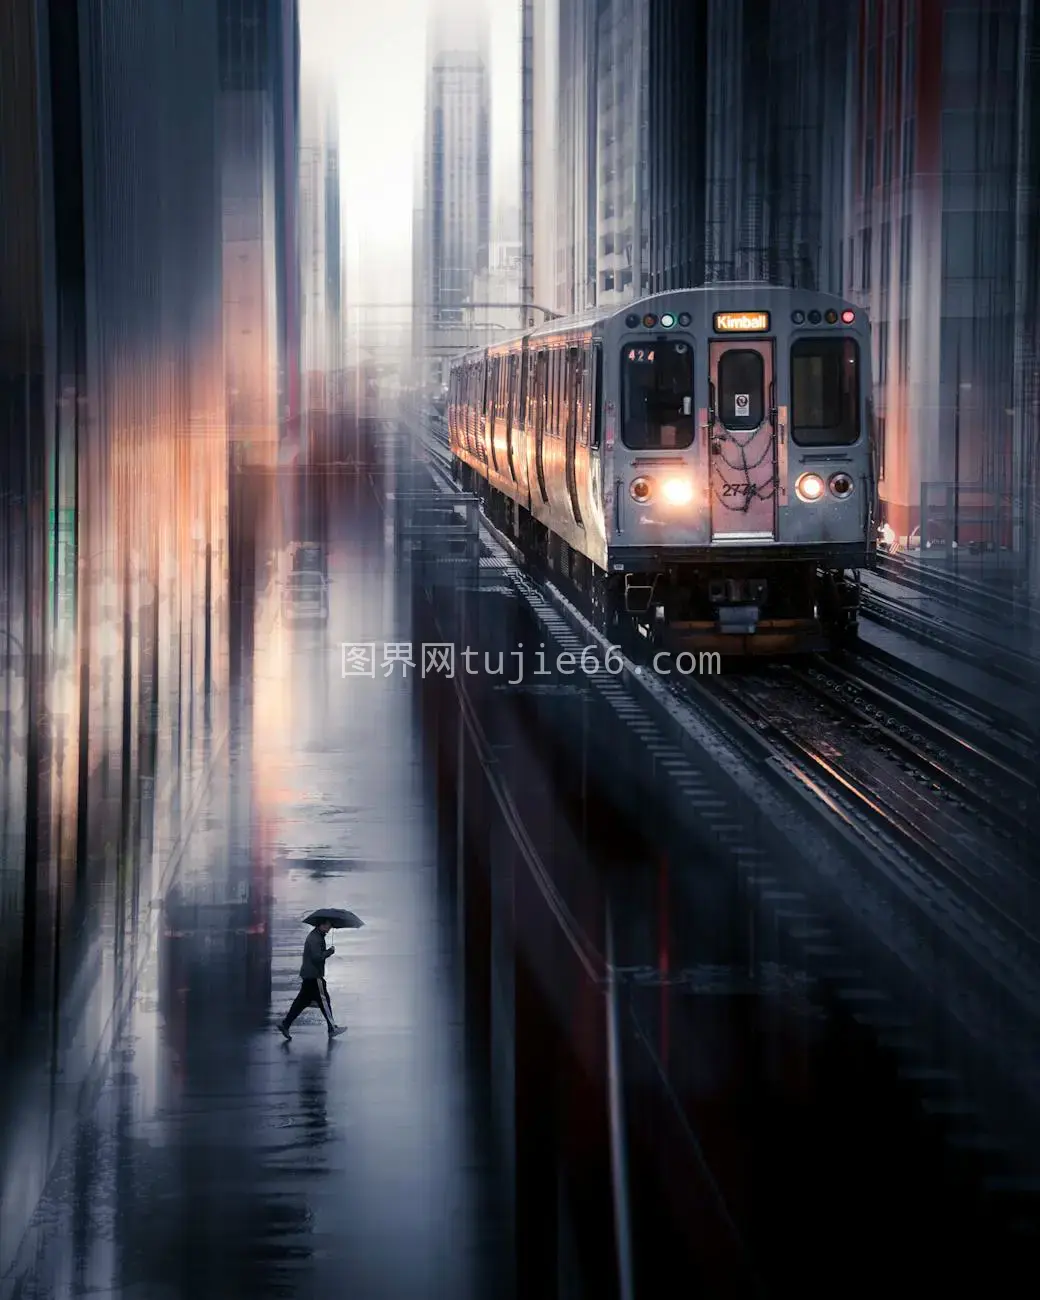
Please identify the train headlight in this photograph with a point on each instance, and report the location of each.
(809, 487)
(677, 491)
(842, 485)
(641, 490)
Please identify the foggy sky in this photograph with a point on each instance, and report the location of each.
(375, 54)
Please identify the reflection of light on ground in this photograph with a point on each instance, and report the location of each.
(272, 703)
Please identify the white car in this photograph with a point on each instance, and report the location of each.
(305, 598)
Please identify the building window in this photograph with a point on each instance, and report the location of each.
(905, 235)
(909, 137)
(885, 253)
(879, 446)
(958, 245)
(865, 251)
(881, 366)
(904, 349)
(868, 169)
(910, 62)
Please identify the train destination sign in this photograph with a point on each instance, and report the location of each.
(741, 322)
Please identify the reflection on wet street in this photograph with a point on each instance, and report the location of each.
(582, 1057)
(220, 1160)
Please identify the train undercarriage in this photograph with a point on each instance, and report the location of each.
(737, 607)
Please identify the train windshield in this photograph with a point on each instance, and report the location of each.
(657, 395)
(825, 392)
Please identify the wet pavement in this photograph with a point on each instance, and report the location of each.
(757, 1120)
(222, 1161)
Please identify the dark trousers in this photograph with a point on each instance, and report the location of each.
(311, 992)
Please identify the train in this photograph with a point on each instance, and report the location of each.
(700, 464)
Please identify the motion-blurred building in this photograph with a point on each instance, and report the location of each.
(322, 265)
(932, 252)
(884, 149)
(113, 542)
(259, 44)
(453, 229)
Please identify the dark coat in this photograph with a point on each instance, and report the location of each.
(314, 955)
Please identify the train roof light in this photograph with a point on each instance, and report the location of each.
(667, 320)
(685, 319)
(814, 318)
(847, 317)
(798, 317)
(631, 320)
(831, 317)
(649, 320)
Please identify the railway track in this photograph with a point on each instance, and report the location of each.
(981, 772)
(988, 654)
(954, 861)
(909, 779)
(898, 779)
(956, 590)
(921, 770)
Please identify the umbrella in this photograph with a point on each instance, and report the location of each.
(337, 918)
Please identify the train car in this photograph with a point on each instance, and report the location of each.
(700, 462)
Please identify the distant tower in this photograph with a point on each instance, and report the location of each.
(321, 260)
(453, 245)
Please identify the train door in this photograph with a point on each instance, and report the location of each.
(541, 399)
(573, 403)
(494, 408)
(594, 404)
(742, 440)
(483, 421)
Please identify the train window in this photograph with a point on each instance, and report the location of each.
(597, 396)
(562, 385)
(825, 391)
(519, 372)
(540, 392)
(581, 386)
(554, 388)
(741, 385)
(657, 395)
(572, 410)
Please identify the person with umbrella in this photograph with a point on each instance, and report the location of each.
(313, 988)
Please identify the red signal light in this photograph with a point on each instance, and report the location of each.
(847, 317)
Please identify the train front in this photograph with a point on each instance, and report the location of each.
(743, 495)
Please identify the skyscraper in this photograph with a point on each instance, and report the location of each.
(252, 128)
(321, 246)
(456, 180)
(884, 149)
(285, 82)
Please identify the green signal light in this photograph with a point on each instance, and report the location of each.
(667, 321)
